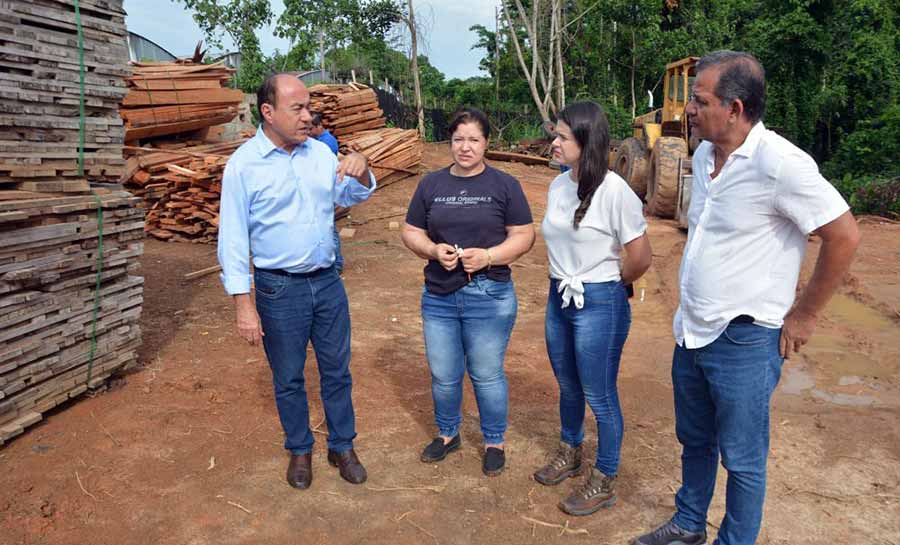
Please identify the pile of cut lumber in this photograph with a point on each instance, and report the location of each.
(49, 250)
(346, 109)
(393, 154)
(181, 188)
(40, 93)
(191, 209)
(177, 97)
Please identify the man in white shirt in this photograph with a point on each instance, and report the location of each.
(755, 200)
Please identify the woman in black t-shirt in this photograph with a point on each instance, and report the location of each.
(470, 221)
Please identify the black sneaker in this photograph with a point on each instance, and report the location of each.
(437, 450)
(670, 534)
(493, 462)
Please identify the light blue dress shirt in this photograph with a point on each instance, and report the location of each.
(280, 207)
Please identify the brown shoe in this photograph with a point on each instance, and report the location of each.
(598, 491)
(299, 471)
(351, 468)
(564, 464)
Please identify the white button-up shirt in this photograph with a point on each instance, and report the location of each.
(747, 233)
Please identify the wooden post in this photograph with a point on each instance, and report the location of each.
(353, 75)
(371, 79)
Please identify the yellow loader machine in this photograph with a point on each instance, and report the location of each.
(655, 159)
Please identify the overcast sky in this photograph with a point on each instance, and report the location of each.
(448, 42)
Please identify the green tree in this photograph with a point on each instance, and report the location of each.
(239, 20)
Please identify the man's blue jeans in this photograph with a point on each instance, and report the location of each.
(585, 346)
(722, 396)
(469, 330)
(294, 310)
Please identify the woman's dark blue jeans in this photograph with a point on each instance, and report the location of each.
(585, 346)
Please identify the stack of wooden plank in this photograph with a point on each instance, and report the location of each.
(346, 109)
(191, 210)
(40, 93)
(49, 250)
(180, 188)
(393, 154)
(177, 97)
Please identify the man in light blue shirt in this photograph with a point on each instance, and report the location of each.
(278, 195)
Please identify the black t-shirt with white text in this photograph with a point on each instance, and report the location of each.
(468, 212)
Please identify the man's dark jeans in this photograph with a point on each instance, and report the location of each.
(293, 310)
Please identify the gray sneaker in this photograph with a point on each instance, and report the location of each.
(670, 534)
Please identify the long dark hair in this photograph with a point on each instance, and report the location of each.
(591, 130)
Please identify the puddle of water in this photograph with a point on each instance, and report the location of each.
(849, 381)
(844, 399)
(795, 380)
(835, 357)
(851, 311)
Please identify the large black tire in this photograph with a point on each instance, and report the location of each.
(631, 164)
(662, 186)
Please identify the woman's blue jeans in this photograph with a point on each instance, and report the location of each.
(585, 346)
(722, 396)
(469, 330)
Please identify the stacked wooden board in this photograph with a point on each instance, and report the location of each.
(191, 210)
(40, 93)
(346, 109)
(167, 98)
(393, 154)
(49, 249)
(180, 187)
(181, 184)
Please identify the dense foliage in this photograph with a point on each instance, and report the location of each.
(832, 69)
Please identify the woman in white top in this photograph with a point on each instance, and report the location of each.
(592, 215)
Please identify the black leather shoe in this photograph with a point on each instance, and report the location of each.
(493, 462)
(437, 450)
(349, 465)
(299, 471)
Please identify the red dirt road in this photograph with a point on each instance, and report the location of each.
(188, 450)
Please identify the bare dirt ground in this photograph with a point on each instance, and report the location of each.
(188, 449)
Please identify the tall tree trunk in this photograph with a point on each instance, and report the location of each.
(414, 65)
(496, 55)
(561, 88)
(537, 64)
(532, 85)
(633, 69)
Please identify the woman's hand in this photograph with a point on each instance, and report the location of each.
(475, 259)
(446, 255)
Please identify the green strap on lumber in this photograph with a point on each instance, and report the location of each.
(97, 197)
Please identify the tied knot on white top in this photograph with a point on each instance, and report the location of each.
(572, 290)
